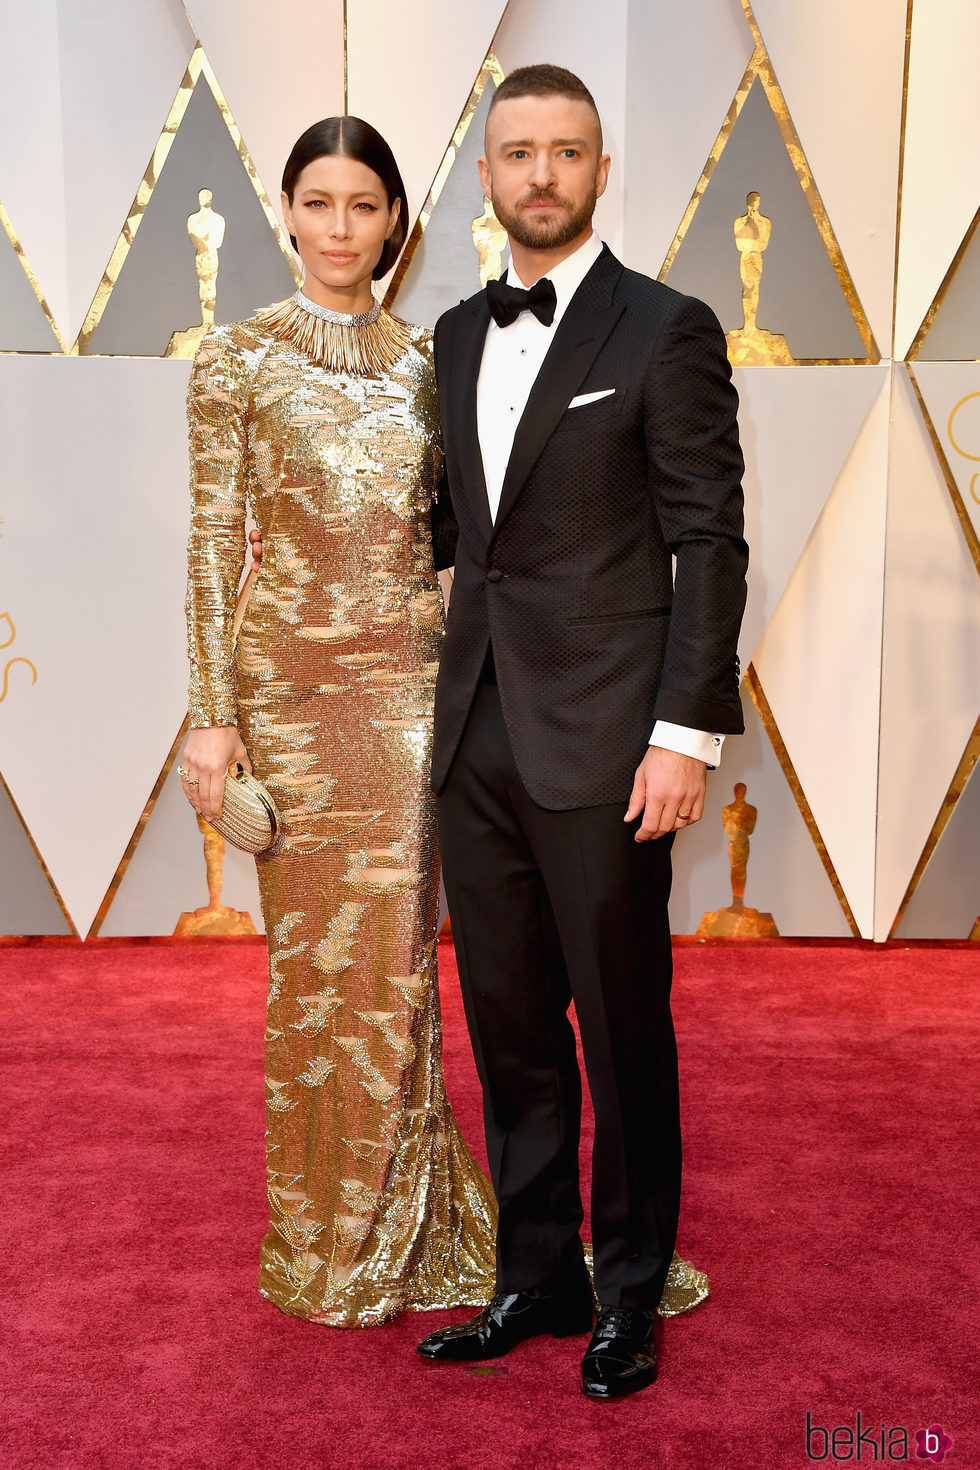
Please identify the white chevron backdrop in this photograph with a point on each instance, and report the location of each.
(862, 485)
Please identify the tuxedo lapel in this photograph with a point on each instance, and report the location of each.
(579, 337)
(471, 334)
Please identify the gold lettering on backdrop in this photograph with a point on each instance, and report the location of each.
(206, 228)
(751, 345)
(490, 240)
(214, 918)
(738, 922)
(959, 448)
(10, 638)
(6, 674)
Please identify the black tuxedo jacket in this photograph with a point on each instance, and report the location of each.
(593, 640)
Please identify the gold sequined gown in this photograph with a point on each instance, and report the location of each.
(376, 1205)
(328, 434)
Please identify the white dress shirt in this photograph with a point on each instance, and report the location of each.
(512, 359)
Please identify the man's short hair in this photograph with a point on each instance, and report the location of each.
(544, 80)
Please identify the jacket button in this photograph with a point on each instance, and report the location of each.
(495, 575)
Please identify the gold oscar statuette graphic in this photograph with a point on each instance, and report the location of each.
(206, 228)
(751, 345)
(215, 918)
(738, 922)
(490, 240)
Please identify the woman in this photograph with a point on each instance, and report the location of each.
(320, 416)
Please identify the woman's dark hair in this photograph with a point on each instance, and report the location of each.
(352, 137)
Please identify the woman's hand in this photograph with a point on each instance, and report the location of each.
(207, 756)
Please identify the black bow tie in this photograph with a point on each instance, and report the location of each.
(507, 302)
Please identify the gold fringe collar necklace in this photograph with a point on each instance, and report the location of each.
(365, 344)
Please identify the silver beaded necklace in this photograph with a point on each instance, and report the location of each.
(338, 318)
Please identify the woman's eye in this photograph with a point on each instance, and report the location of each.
(364, 205)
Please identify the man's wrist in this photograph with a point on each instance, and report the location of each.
(702, 745)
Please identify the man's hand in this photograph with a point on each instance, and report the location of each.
(255, 538)
(669, 790)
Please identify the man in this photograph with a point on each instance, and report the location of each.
(590, 435)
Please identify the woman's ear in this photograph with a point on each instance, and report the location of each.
(393, 214)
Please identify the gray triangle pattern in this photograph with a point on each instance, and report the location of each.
(156, 293)
(23, 324)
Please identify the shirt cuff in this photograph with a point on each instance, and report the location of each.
(701, 745)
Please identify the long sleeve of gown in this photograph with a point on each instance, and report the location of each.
(217, 401)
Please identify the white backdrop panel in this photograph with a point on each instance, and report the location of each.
(93, 461)
(820, 659)
(840, 67)
(930, 692)
(796, 426)
(941, 178)
(414, 90)
(592, 42)
(671, 125)
(32, 171)
(280, 68)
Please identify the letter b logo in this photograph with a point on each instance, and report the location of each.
(817, 1440)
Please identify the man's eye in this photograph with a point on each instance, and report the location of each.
(569, 153)
(519, 153)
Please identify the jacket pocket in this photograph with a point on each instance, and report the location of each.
(623, 617)
(595, 411)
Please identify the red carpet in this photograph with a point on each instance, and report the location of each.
(829, 1099)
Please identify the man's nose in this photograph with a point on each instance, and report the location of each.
(542, 171)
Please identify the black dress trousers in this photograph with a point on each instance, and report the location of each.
(549, 907)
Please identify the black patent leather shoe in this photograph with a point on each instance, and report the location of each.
(508, 1319)
(622, 1356)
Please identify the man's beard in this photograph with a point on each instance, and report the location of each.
(549, 233)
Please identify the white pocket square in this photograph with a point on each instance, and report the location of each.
(590, 397)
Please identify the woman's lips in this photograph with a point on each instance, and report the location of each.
(339, 257)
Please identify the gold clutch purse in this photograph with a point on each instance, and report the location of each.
(248, 818)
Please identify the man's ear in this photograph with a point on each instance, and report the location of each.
(486, 179)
